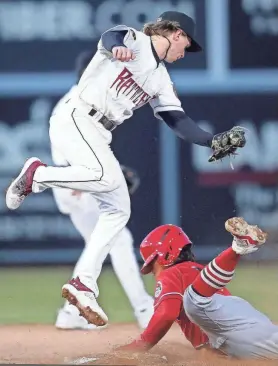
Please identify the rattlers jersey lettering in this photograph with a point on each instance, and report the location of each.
(118, 88)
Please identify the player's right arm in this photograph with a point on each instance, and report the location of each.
(116, 40)
(162, 320)
(167, 307)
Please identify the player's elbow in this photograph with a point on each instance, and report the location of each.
(111, 179)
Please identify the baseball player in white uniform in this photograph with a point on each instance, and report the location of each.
(83, 211)
(126, 72)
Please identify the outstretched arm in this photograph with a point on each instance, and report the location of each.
(186, 128)
(167, 107)
(164, 316)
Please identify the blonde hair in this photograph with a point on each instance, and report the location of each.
(161, 28)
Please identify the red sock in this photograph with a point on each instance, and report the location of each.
(217, 274)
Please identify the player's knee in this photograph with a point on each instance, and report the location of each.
(127, 237)
(111, 180)
(125, 211)
(122, 207)
(120, 210)
(123, 243)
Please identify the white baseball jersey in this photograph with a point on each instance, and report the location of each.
(117, 88)
(69, 95)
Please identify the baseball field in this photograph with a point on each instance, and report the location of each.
(30, 298)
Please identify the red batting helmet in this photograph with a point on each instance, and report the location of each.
(164, 244)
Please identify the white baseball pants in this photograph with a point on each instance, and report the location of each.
(84, 145)
(83, 211)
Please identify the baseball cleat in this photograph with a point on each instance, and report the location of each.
(21, 187)
(70, 320)
(84, 299)
(247, 238)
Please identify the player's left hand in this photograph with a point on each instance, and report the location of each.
(137, 346)
(226, 143)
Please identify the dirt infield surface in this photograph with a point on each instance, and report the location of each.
(43, 344)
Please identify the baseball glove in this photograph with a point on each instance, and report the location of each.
(226, 143)
(132, 178)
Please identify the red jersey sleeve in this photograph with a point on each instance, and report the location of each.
(167, 306)
(164, 316)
